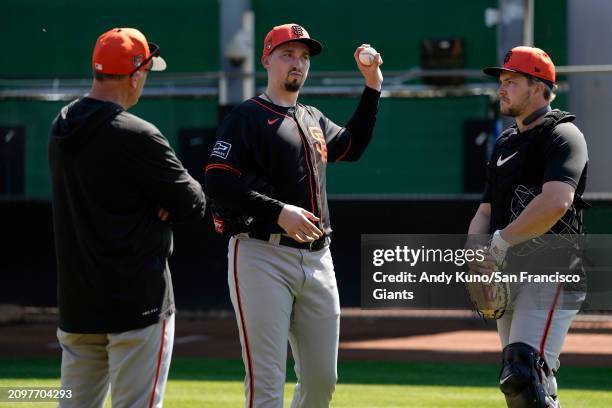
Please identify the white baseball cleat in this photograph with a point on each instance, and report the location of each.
(553, 401)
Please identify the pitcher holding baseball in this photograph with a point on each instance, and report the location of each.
(281, 276)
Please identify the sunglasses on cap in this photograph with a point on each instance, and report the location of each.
(153, 52)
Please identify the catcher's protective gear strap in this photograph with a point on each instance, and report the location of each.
(536, 115)
(519, 379)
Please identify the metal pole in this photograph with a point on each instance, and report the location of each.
(248, 84)
(511, 31)
(528, 23)
(510, 34)
(236, 45)
(588, 37)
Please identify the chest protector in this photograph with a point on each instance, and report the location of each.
(519, 159)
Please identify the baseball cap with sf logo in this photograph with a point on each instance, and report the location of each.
(123, 51)
(529, 61)
(290, 32)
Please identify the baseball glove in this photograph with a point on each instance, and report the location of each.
(490, 300)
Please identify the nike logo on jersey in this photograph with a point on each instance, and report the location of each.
(503, 380)
(272, 121)
(500, 161)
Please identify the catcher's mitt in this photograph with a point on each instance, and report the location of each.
(489, 299)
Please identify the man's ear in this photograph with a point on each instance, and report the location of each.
(265, 61)
(134, 79)
(541, 86)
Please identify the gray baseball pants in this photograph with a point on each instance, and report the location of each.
(539, 319)
(132, 365)
(282, 294)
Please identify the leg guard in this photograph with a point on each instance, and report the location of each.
(519, 378)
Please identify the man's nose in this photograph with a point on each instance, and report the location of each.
(299, 63)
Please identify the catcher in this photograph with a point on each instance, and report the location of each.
(535, 178)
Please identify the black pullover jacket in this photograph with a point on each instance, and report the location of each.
(110, 174)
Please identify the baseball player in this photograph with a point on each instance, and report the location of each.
(115, 181)
(546, 152)
(269, 162)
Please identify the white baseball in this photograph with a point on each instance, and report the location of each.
(367, 56)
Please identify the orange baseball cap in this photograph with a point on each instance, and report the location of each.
(529, 61)
(123, 51)
(290, 32)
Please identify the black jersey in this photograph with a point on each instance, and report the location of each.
(289, 147)
(555, 150)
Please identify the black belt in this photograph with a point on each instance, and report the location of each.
(316, 245)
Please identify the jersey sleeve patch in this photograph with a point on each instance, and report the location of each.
(221, 149)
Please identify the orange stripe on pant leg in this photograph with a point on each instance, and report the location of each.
(159, 359)
(551, 314)
(244, 332)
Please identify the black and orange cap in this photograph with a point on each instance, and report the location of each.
(529, 61)
(290, 32)
(122, 51)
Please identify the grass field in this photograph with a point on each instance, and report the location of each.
(218, 384)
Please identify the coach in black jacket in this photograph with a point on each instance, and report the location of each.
(116, 185)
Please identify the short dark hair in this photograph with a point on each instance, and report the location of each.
(548, 91)
(99, 76)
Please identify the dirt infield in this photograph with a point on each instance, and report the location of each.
(371, 335)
